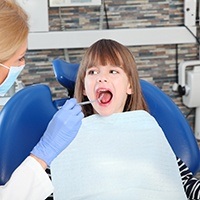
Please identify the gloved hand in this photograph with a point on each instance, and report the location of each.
(61, 130)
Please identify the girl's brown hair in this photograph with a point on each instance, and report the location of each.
(105, 52)
(13, 28)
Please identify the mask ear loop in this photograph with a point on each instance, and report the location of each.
(4, 66)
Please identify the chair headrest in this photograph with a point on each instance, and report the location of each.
(65, 73)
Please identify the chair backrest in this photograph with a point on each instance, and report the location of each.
(66, 75)
(175, 126)
(23, 121)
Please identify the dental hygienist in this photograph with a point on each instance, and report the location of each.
(29, 180)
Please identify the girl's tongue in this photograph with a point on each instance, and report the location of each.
(105, 97)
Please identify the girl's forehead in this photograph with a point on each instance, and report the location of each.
(111, 57)
(105, 65)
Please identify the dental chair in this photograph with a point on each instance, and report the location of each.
(23, 121)
(26, 115)
(175, 126)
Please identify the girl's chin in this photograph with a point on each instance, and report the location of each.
(103, 112)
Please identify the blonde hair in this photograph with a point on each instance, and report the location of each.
(13, 28)
(105, 52)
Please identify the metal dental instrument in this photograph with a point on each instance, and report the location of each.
(87, 102)
(92, 101)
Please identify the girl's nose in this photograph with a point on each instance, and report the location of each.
(102, 79)
(102, 76)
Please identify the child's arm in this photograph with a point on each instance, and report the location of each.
(190, 183)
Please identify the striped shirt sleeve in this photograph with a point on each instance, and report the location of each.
(190, 183)
(48, 171)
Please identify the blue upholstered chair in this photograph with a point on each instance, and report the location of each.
(26, 115)
(169, 117)
(23, 121)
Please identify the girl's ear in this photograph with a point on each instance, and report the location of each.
(129, 89)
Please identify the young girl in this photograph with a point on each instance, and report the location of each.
(108, 73)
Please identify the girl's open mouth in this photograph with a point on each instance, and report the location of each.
(104, 96)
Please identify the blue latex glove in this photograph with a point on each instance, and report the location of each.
(61, 130)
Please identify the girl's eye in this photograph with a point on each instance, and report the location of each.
(91, 72)
(114, 72)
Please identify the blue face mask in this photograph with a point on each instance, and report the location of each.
(10, 79)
